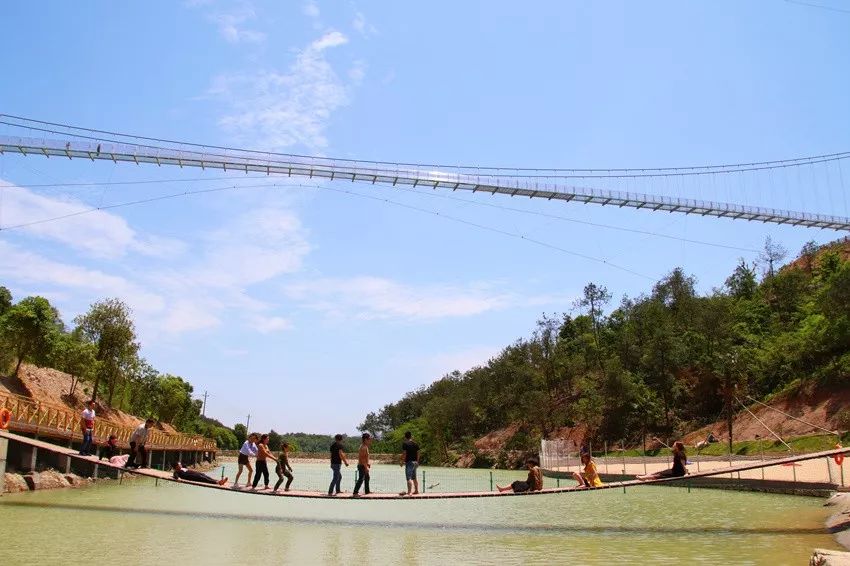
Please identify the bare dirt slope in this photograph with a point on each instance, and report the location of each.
(51, 386)
(821, 407)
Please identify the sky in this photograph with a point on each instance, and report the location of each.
(309, 304)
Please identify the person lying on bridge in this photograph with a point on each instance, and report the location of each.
(534, 482)
(678, 470)
(589, 477)
(183, 473)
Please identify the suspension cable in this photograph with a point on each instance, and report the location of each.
(835, 432)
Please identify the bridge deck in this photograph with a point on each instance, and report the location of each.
(166, 476)
(246, 161)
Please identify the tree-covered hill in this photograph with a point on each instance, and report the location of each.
(665, 362)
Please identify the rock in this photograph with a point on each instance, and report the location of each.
(33, 480)
(74, 480)
(51, 479)
(822, 557)
(15, 483)
(48, 479)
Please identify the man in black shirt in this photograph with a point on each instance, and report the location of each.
(410, 461)
(337, 459)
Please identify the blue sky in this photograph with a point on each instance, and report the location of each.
(307, 306)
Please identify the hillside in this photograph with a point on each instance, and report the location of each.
(51, 386)
(659, 364)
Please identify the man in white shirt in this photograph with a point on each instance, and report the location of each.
(87, 426)
(137, 445)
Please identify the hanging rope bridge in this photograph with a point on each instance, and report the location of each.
(549, 184)
(165, 476)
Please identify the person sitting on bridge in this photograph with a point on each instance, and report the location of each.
(589, 477)
(534, 481)
(183, 473)
(678, 470)
(110, 449)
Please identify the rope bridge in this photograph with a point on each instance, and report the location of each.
(93, 145)
(165, 476)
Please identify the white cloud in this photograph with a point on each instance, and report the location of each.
(362, 26)
(378, 298)
(75, 224)
(311, 9)
(255, 247)
(230, 25)
(21, 265)
(357, 72)
(285, 109)
(267, 325)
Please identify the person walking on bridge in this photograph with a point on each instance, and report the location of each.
(410, 461)
(263, 455)
(337, 459)
(363, 465)
(248, 451)
(283, 469)
(87, 426)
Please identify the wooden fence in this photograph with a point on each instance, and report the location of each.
(55, 421)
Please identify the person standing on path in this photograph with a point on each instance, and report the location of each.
(337, 459)
(263, 454)
(137, 445)
(410, 461)
(363, 465)
(283, 469)
(87, 426)
(248, 451)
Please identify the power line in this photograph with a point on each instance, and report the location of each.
(818, 6)
(584, 222)
(609, 172)
(491, 229)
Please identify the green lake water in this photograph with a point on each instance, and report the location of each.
(140, 522)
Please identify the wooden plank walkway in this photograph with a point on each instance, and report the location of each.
(166, 476)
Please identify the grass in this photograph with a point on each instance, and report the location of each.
(768, 447)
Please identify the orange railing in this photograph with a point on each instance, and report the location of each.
(55, 421)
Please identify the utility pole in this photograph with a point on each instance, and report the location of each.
(729, 413)
(248, 425)
(204, 409)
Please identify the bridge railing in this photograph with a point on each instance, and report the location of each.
(58, 422)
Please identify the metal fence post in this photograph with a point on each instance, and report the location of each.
(423, 481)
(491, 480)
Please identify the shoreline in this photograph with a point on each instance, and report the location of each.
(53, 479)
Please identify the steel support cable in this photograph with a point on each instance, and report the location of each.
(835, 432)
(764, 425)
(385, 200)
(439, 179)
(584, 222)
(490, 229)
(778, 162)
(411, 191)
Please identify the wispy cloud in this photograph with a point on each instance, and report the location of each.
(378, 298)
(231, 25)
(95, 232)
(284, 109)
(362, 26)
(311, 9)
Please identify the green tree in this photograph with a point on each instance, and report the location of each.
(109, 326)
(75, 356)
(5, 300)
(240, 432)
(29, 329)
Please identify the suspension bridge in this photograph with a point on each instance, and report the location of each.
(52, 140)
(161, 475)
